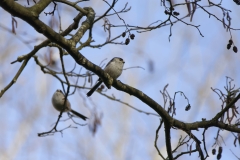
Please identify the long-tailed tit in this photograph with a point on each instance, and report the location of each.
(113, 68)
(58, 102)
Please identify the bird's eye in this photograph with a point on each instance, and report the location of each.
(120, 59)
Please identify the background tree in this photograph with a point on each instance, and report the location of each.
(38, 36)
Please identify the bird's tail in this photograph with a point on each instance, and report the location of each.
(79, 115)
(94, 88)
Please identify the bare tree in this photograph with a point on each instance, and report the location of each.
(73, 38)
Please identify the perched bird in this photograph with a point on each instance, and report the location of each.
(58, 102)
(113, 68)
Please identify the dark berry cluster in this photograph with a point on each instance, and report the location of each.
(229, 45)
(127, 41)
(219, 155)
(176, 13)
(170, 12)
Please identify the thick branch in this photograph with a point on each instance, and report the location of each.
(40, 6)
(87, 24)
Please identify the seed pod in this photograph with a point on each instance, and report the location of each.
(123, 34)
(132, 36)
(219, 156)
(127, 41)
(229, 46)
(214, 151)
(166, 12)
(188, 107)
(220, 150)
(176, 13)
(235, 49)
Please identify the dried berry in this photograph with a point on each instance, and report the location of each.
(123, 34)
(127, 41)
(132, 36)
(214, 151)
(235, 49)
(176, 13)
(188, 107)
(219, 156)
(220, 150)
(166, 12)
(228, 46)
(230, 42)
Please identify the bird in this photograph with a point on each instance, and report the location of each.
(58, 99)
(113, 68)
